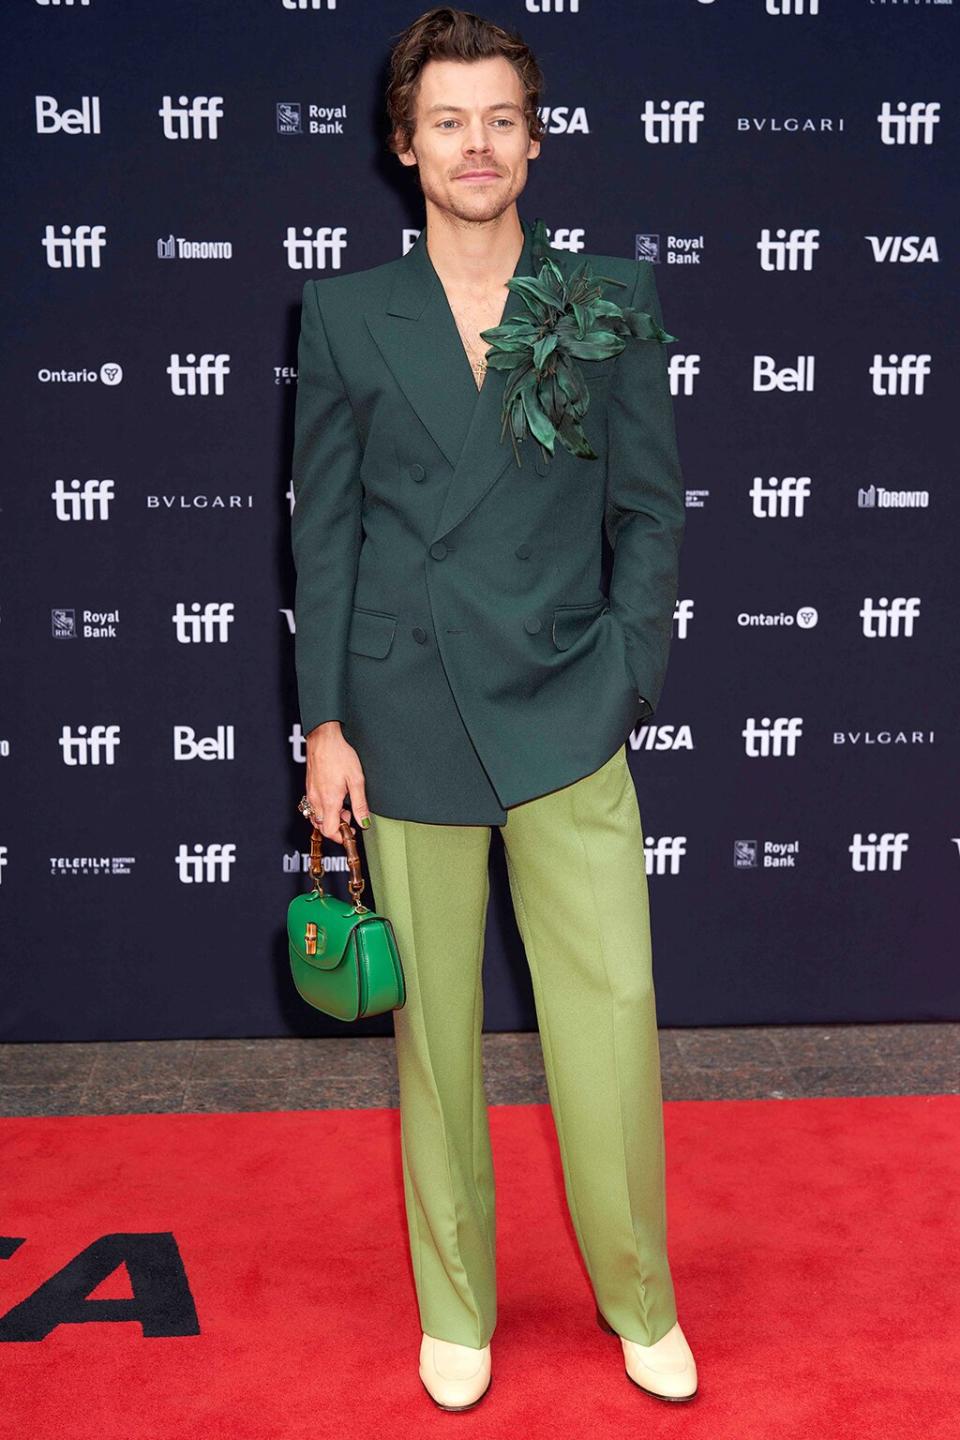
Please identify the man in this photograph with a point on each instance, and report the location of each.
(459, 667)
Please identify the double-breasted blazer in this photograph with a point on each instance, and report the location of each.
(449, 609)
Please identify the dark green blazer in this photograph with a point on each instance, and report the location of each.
(449, 610)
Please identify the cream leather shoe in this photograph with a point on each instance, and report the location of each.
(455, 1376)
(665, 1369)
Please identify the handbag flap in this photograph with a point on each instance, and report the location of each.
(334, 918)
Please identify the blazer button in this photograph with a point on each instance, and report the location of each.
(416, 472)
(438, 549)
(532, 625)
(419, 634)
(522, 551)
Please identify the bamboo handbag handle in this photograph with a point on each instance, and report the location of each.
(356, 883)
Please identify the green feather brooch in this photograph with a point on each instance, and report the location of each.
(546, 394)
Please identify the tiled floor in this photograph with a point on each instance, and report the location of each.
(745, 1062)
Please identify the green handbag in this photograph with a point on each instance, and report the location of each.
(344, 957)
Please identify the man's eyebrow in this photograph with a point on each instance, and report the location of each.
(500, 105)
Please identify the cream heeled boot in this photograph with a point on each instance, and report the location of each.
(665, 1369)
(455, 1376)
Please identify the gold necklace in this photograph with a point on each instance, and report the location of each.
(479, 366)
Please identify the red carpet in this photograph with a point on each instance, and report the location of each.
(814, 1245)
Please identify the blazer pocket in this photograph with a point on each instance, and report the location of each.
(371, 632)
(570, 621)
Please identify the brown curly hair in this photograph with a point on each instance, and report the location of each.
(444, 33)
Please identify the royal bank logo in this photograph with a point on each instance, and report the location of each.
(671, 122)
(781, 250)
(320, 119)
(678, 249)
(289, 118)
(770, 855)
(908, 123)
(94, 624)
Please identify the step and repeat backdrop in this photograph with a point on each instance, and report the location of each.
(175, 172)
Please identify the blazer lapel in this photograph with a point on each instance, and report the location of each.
(418, 338)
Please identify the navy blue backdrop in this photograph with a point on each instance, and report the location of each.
(175, 172)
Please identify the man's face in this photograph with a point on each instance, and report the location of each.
(469, 118)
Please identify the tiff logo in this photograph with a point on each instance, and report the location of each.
(777, 499)
(793, 7)
(194, 119)
(192, 376)
(206, 864)
(666, 123)
(681, 370)
(308, 4)
(311, 247)
(784, 252)
(87, 501)
(913, 126)
(885, 619)
(663, 855)
(899, 374)
(203, 625)
(878, 852)
(71, 248)
(96, 746)
(766, 737)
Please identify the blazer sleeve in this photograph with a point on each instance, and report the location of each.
(325, 524)
(644, 511)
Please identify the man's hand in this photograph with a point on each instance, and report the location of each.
(334, 770)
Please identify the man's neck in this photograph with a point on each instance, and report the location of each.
(471, 255)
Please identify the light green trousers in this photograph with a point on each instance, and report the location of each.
(575, 860)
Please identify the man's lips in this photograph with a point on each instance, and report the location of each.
(479, 175)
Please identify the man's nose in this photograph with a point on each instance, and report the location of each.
(477, 138)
